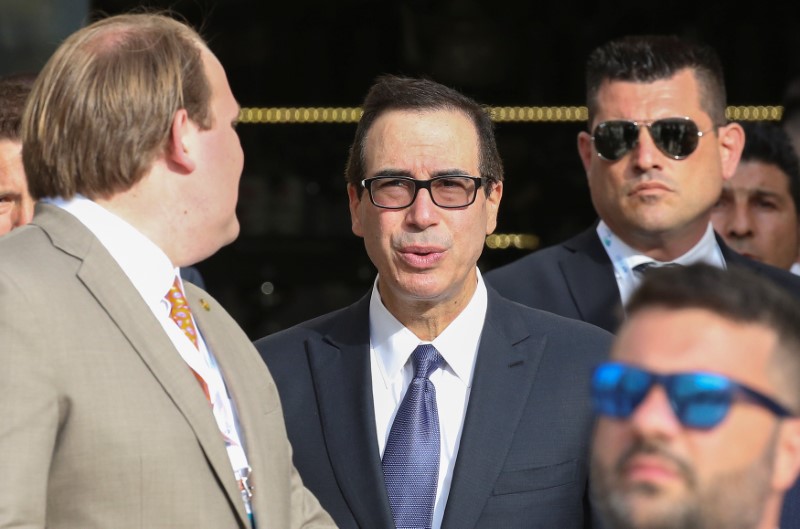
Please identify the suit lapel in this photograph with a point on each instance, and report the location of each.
(729, 256)
(589, 275)
(231, 354)
(340, 367)
(103, 277)
(508, 357)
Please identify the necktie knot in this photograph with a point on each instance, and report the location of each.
(425, 359)
(648, 266)
(179, 311)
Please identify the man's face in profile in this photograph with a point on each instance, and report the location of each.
(16, 205)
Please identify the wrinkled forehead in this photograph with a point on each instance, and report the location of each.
(422, 141)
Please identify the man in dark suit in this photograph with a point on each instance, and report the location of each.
(509, 450)
(653, 189)
(657, 154)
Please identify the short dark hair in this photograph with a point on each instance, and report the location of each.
(14, 91)
(390, 92)
(791, 102)
(649, 58)
(736, 294)
(768, 143)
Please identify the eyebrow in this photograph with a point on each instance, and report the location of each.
(408, 174)
(754, 192)
(761, 193)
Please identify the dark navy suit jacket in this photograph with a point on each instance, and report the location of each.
(523, 457)
(576, 279)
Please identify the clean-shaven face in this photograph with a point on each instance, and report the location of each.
(424, 253)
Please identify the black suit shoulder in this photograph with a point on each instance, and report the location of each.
(782, 278)
(541, 279)
(533, 280)
(559, 329)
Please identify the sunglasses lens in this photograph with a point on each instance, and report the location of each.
(613, 139)
(700, 400)
(676, 137)
(617, 389)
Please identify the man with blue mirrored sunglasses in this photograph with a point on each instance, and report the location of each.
(697, 409)
(698, 399)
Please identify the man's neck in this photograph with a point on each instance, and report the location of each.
(664, 246)
(426, 318)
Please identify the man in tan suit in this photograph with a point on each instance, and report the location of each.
(122, 406)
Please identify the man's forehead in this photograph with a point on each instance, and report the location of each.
(759, 176)
(695, 339)
(671, 96)
(11, 170)
(449, 136)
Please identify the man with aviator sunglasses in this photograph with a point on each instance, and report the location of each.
(697, 409)
(656, 153)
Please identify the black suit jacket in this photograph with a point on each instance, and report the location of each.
(576, 279)
(523, 457)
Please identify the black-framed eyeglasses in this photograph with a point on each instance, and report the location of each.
(699, 400)
(398, 192)
(675, 137)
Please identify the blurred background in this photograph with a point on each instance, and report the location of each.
(296, 256)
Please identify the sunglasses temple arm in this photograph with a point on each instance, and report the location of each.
(763, 400)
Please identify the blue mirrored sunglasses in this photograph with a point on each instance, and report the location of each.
(699, 400)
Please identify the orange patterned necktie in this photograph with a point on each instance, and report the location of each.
(182, 316)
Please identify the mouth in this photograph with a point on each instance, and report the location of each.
(421, 256)
(648, 188)
(649, 469)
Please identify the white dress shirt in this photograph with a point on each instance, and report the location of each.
(624, 258)
(152, 275)
(391, 345)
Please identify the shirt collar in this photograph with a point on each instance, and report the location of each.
(145, 264)
(393, 343)
(705, 251)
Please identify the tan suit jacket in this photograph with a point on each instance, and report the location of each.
(102, 425)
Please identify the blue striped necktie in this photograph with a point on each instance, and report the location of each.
(411, 457)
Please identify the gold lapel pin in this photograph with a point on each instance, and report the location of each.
(205, 304)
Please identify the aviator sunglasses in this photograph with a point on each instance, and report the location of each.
(699, 400)
(675, 137)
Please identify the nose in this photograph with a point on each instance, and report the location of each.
(654, 417)
(739, 225)
(645, 154)
(422, 212)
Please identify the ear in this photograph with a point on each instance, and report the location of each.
(355, 204)
(183, 132)
(731, 143)
(585, 150)
(492, 206)
(787, 455)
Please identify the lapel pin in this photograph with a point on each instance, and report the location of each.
(205, 304)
